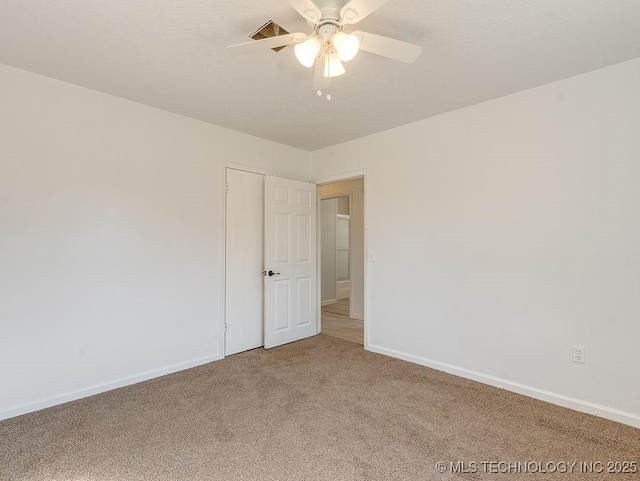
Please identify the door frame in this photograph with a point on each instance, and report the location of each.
(332, 179)
(223, 246)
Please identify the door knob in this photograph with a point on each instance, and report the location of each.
(271, 273)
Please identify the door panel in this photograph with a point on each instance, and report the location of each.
(244, 261)
(290, 253)
(281, 295)
(281, 237)
(304, 236)
(304, 301)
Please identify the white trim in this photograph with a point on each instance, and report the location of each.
(355, 174)
(248, 168)
(328, 302)
(605, 412)
(319, 260)
(332, 179)
(62, 398)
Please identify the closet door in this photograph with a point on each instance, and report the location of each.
(244, 261)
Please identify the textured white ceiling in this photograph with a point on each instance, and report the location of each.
(171, 54)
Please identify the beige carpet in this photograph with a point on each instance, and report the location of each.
(320, 409)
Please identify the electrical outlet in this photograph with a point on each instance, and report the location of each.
(578, 354)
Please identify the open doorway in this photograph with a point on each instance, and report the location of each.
(342, 259)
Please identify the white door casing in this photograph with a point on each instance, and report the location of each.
(290, 294)
(244, 257)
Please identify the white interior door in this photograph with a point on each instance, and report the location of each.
(244, 261)
(290, 261)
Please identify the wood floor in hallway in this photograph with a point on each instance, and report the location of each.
(337, 323)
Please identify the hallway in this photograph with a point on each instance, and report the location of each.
(337, 323)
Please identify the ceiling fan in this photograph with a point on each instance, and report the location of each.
(328, 46)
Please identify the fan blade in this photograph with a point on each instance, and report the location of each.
(307, 9)
(271, 42)
(388, 47)
(320, 82)
(356, 10)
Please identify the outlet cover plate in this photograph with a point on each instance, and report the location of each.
(578, 354)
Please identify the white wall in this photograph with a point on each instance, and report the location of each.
(504, 233)
(328, 250)
(110, 238)
(507, 232)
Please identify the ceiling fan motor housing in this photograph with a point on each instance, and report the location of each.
(328, 28)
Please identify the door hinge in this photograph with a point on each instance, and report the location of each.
(225, 327)
(226, 186)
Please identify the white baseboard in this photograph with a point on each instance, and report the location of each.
(62, 398)
(329, 302)
(612, 414)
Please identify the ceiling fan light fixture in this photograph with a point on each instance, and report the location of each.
(333, 66)
(347, 46)
(307, 51)
(329, 45)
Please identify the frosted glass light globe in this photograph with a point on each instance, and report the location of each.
(307, 51)
(347, 46)
(333, 66)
